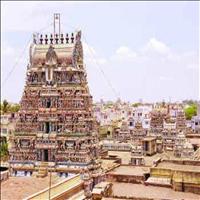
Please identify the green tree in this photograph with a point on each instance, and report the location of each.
(3, 149)
(190, 111)
(5, 106)
(136, 104)
(14, 108)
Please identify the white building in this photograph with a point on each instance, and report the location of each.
(195, 124)
(142, 114)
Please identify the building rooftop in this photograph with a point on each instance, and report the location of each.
(181, 167)
(149, 192)
(130, 170)
(12, 188)
(108, 164)
(149, 138)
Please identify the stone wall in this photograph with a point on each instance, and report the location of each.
(160, 172)
(124, 178)
(69, 193)
(186, 181)
(184, 162)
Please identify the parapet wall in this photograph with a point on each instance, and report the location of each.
(182, 180)
(184, 162)
(186, 181)
(125, 178)
(63, 190)
(161, 172)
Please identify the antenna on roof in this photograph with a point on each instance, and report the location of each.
(56, 24)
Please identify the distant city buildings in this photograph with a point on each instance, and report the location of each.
(146, 129)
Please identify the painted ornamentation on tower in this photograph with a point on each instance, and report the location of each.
(56, 122)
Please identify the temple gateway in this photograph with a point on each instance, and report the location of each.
(55, 123)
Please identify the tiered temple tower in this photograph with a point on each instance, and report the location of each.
(156, 123)
(180, 120)
(56, 122)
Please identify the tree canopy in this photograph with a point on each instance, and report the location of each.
(3, 150)
(136, 104)
(7, 107)
(190, 111)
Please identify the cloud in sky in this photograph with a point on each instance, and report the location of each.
(157, 70)
(124, 53)
(152, 47)
(156, 46)
(130, 42)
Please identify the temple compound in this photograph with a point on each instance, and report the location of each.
(56, 123)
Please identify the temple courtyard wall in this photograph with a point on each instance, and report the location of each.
(183, 175)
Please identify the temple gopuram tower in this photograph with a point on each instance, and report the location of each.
(55, 122)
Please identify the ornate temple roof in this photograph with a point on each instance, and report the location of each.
(66, 49)
(64, 53)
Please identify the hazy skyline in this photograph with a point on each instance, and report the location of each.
(147, 50)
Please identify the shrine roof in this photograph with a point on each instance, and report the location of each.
(62, 51)
(58, 49)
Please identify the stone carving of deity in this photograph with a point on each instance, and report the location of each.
(51, 61)
(51, 57)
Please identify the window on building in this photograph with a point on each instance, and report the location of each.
(47, 127)
(48, 103)
(146, 146)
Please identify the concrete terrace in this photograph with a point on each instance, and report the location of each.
(21, 187)
(149, 192)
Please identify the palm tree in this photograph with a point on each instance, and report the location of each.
(5, 107)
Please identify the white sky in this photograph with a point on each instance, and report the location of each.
(147, 50)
